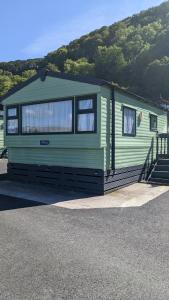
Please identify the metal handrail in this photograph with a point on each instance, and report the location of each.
(162, 148)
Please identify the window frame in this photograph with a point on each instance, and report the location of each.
(44, 102)
(79, 111)
(135, 129)
(150, 116)
(12, 118)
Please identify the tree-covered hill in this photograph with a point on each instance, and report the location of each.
(133, 53)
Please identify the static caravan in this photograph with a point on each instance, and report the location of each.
(79, 133)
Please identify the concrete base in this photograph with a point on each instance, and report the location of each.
(134, 195)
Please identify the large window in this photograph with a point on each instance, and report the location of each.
(50, 117)
(129, 121)
(86, 115)
(12, 120)
(153, 122)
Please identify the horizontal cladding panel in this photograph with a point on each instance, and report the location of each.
(130, 161)
(121, 183)
(143, 125)
(135, 103)
(134, 152)
(55, 140)
(117, 177)
(129, 154)
(130, 150)
(125, 176)
(141, 148)
(122, 170)
(135, 142)
(51, 88)
(105, 113)
(81, 158)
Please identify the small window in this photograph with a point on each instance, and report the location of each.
(12, 120)
(86, 114)
(12, 112)
(153, 123)
(86, 104)
(129, 121)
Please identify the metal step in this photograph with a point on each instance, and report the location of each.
(163, 162)
(160, 174)
(160, 181)
(162, 168)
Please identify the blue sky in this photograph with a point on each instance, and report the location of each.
(32, 28)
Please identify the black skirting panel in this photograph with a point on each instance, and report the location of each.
(81, 179)
(125, 176)
(92, 181)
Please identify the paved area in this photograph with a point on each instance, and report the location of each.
(48, 252)
(132, 196)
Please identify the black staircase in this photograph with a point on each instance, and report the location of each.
(160, 171)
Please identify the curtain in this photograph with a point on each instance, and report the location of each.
(153, 122)
(47, 117)
(86, 122)
(129, 121)
(12, 126)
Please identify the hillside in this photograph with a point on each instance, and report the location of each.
(133, 53)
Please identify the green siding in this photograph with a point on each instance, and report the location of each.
(106, 124)
(78, 150)
(82, 158)
(131, 151)
(51, 88)
(1, 133)
(85, 150)
(88, 141)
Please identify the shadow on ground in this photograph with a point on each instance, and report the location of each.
(17, 195)
(9, 203)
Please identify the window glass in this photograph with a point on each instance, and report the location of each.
(47, 117)
(129, 122)
(12, 112)
(86, 122)
(12, 126)
(153, 122)
(86, 104)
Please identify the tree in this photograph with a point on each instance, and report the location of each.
(109, 62)
(79, 67)
(57, 57)
(52, 67)
(28, 74)
(156, 78)
(132, 52)
(5, 84)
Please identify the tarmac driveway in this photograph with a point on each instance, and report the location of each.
(48, 252)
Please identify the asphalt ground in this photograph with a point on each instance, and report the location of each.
(48, 252)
